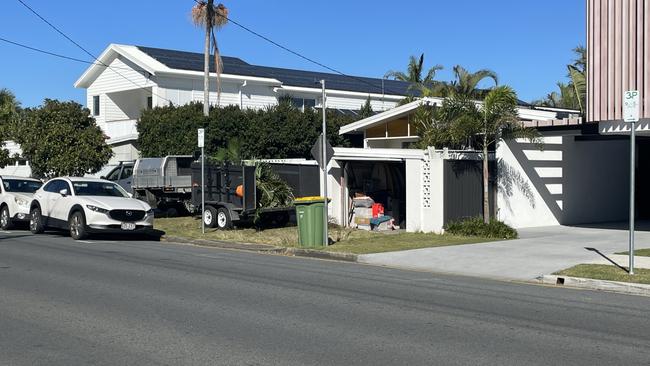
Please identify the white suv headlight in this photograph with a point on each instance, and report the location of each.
(150, 212)
(21, 201)
(97, 209)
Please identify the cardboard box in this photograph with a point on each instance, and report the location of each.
(362, 220)
(363, 212)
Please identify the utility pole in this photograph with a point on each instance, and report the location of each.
(324, 163)
(206, 58)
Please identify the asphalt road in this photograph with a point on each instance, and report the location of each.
(147, 303)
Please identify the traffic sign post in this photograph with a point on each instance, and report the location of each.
(201, 140)
(631, 115)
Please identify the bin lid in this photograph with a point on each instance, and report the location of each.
(310, 199)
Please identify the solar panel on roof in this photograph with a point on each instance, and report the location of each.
(231, 65)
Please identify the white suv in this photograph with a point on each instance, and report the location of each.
(88, 205)
(15, 197)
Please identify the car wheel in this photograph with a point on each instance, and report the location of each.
(36, 221)
(210, 217)
(77, 225)
(224, 221)
(5, 219)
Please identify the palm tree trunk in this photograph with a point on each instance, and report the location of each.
(486, 179)
(206, 60)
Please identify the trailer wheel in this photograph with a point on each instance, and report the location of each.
(224, 222)
(210, 217)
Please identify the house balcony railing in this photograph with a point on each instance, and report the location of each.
(119, 128)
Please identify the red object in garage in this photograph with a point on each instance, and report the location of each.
(377, 210)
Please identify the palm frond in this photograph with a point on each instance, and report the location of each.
(396, 75)
(579, 84)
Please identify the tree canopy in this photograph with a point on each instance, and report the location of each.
(9, 109)
(60, 139)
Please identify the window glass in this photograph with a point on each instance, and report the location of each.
(21, 185)
(98, 189)
(127, 172)
(96, 105)
(297, 102)
(65, 185)
(52, 186)
(114, 174)
(149, 102)
(311, 103)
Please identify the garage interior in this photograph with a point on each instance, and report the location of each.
(384, 182)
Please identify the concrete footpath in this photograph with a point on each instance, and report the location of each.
(538, 252)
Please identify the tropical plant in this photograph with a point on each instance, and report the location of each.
(465, 83)
(211, 18)
(574, 94)
(231, 153)
(272, 191)
(413, 75)
(61, 138)
(493, 119)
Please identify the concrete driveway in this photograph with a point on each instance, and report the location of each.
(539, 251)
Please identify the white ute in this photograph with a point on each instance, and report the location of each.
(15, 197)
(88, 205)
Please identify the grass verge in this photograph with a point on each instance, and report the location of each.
(638, 253)
(346, 240)
(607, 273)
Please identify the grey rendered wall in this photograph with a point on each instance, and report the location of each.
(596, 180)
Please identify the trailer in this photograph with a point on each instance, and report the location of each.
(165, 183)
(231, 193)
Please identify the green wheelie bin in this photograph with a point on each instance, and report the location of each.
(309, 214)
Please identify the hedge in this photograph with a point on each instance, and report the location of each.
(277, 132)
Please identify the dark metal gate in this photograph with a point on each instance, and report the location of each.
(463, 189)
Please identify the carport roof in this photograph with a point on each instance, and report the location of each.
(525, 113)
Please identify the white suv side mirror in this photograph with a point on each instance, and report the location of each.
(64, 192)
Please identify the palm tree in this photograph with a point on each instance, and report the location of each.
(492, 120)
(466, 83)
(578, 76)
(414, 73)
(212, 18)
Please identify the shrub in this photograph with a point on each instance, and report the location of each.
(476, 227)
(276, 132)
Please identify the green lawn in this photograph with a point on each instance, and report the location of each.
(346, 240)
(608, 273)
(639, 252)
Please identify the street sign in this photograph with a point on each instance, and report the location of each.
(201, 137)
(631, 106)
(631, 114)
(317, 153)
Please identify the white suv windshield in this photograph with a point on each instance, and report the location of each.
(21, 186)
(98, 189)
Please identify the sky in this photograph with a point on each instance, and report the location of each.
(527, 43)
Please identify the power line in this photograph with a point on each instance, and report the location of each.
(58, 54)
(382, 88)
(87, 52)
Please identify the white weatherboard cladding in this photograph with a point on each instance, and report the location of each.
(121, 75)
(356, 102)
(519, 203)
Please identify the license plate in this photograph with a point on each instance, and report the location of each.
(128, 226)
